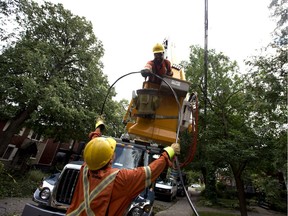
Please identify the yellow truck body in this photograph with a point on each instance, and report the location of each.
(156, 112)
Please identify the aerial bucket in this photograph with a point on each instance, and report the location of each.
(147, 102)
(156, 111)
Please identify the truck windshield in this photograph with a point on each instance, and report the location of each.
(128, 157)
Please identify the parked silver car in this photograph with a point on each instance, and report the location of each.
(166, 188)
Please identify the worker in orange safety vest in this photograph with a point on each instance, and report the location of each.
(106, 191)
(158, 65)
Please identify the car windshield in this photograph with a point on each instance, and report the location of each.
(128, 157)
(165, 182)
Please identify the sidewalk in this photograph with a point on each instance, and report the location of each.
(13, 206)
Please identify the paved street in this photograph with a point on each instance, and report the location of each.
(182, 208)
(179, 207)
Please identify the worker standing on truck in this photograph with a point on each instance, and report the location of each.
(105, 191)
(158, 65)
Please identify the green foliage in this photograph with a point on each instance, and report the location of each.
(225, 192)
(52, 77)
(245, 119)
(115, 127)
(193, 177)
(267, 84)
(186, 141)
(279, 206)
(15, 185)
(9, 28)
(274, 191)
(35, 175)
(1, 167)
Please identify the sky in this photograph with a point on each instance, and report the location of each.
(129, 29)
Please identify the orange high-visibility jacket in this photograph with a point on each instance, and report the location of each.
(159, 69)
(112, 190)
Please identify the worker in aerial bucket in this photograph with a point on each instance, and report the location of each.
(158, 65)
(105, 191)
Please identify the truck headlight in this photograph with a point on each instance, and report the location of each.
(147, 208)
(136, 211)
(45, 193)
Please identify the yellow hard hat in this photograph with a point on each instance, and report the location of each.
(98, 152)
(158, 48)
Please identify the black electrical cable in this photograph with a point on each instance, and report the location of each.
(178, 128)
(112, 87)
(186, 192)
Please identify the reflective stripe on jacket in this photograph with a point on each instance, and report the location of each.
(83, 202)
(119, 193)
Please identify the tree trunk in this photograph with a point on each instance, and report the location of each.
(204, 174)
(210, 187)
(14, 127)
(240, 188)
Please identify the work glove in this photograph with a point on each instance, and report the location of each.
(145, 72)
(176, 148)
(172, 150)
(170, 73)
(100, 123)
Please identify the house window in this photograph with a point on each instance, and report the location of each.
(9, 152)
(34, 136)
(21, 132)
(30, 134)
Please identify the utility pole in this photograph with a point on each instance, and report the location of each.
(205, 60)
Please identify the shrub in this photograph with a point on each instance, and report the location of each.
(36, 175)
(1, 167)
(15, 185)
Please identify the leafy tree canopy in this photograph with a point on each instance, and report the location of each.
(53, 73)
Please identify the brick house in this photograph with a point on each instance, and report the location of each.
(28, 148)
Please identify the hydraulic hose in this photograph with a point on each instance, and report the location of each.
(177, 132)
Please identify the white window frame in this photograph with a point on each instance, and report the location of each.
(21, 132)
(11, 156)
(6, 125)
(33, 136)
(30, 134)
